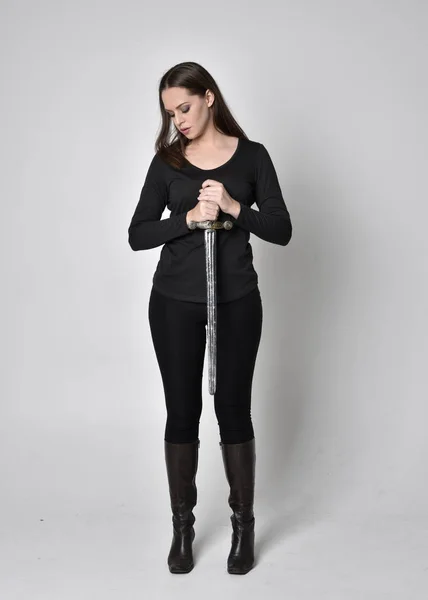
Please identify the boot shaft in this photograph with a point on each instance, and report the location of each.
(181, 465)
(239, 464)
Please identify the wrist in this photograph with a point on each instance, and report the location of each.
(189, 217)
(236, 209)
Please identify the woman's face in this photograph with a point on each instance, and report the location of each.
(188, 112)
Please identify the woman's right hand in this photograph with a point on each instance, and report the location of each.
(203, 211)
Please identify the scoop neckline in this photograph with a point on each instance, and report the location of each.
(220, 166)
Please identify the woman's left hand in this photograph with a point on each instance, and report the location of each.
(214, 191)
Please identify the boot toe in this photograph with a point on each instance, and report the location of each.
(237, 568)
(181, 566)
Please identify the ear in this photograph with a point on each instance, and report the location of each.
(209, 97)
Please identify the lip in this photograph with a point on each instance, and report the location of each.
(184, 130)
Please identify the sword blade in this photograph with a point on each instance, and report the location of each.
(210, 265)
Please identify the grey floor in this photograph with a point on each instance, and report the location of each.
(124, 556)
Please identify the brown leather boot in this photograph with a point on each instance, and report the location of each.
(181, 464)
(239, 463)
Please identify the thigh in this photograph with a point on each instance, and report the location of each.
(239, 329)
(179, 339)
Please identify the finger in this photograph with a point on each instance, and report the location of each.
(208, 182)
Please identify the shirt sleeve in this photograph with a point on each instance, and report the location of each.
(272, 221)
(147, 229)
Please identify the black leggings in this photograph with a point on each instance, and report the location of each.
(179, 339)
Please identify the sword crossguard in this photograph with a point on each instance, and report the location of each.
(210, 225)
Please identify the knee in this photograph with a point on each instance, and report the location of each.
(181, 429)
(235, 423)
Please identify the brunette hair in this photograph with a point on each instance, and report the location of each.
(197, 81)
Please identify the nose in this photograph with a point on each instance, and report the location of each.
(178, 122)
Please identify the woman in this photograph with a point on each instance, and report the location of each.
(209, 171)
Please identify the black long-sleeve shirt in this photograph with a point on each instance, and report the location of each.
(249, 176)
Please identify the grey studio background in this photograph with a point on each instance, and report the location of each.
(337, 93)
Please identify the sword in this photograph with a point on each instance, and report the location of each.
(210, 233)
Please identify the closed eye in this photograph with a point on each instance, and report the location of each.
(183, 111)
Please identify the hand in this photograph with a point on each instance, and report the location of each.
(215, 192)
(203, 211)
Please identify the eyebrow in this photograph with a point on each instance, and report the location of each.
(167, 109)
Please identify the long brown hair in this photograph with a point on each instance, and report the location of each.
(197, 81)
